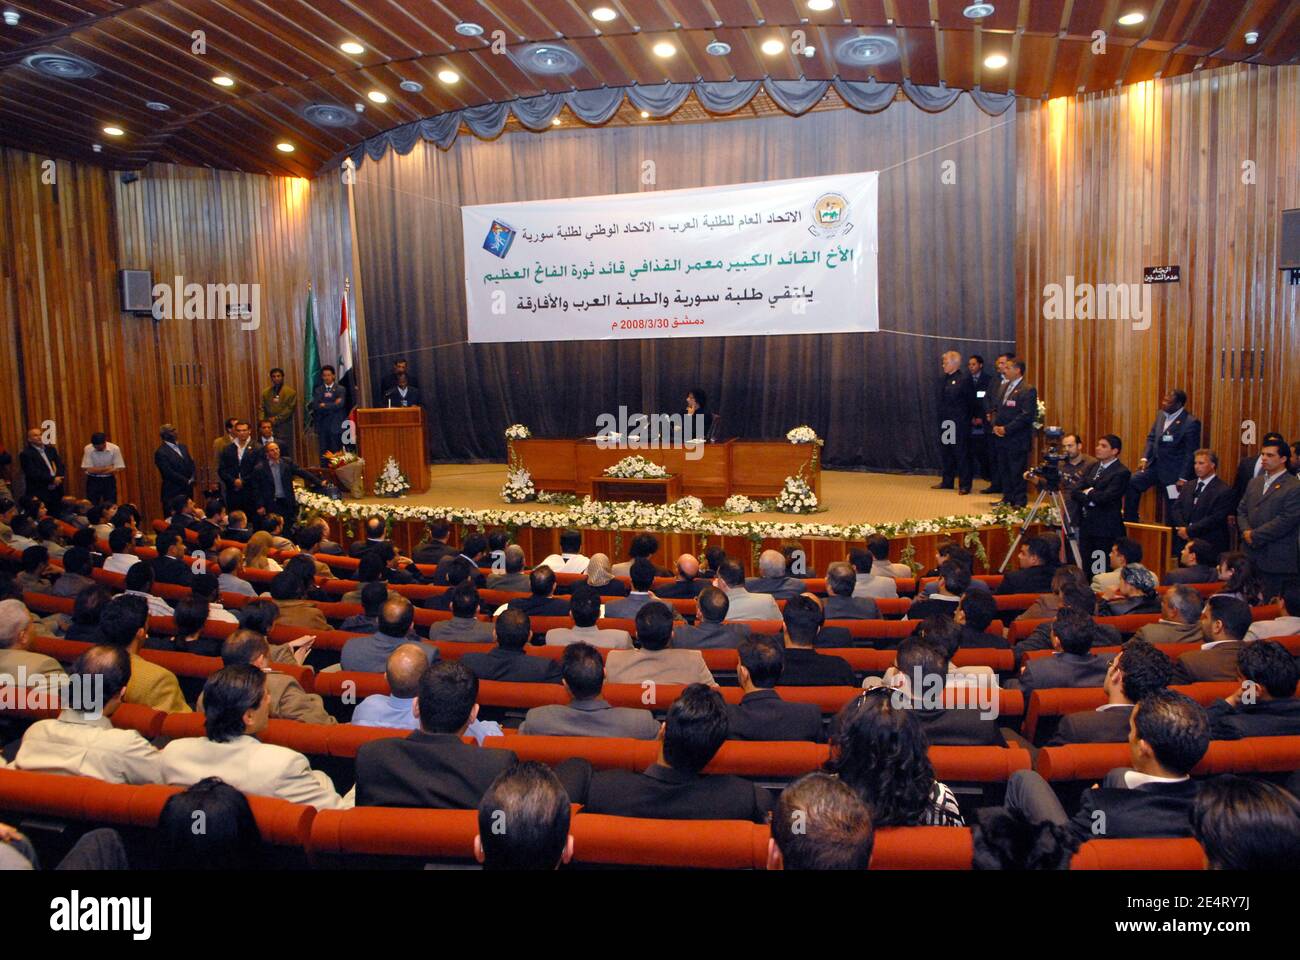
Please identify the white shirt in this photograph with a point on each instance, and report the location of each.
(247, 764)
(77, 745)
(566, 563)
(110, 458)
(1268, 480)
(219, 613)
(120, 562)
(1134, 779)
(1287, 626)
(1170, 418)
(158, 607)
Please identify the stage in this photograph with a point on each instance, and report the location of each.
(850, 497)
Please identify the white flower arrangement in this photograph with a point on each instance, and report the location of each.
(796, 496)
(518, 487)
(392, 482)
(690, 504)
(739, 503)
(517, 431)
(636, 468)
(803, 434)
(1040, 417)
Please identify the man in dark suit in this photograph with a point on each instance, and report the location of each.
(235, 467)
(949, 713)
(1200, 564)
(1101, 498)
(433, 767)
(761, 713)
(1167, 459)
(841, 580)
(642, 576)
(1037, 559)
(170, 566)
(1266, 704)
(1248, 468)
(673, 787)
(994, 393)
(954, 580)
(1139, 669)
(975, 614)
(1013, 431)
(376, 536)
(709, 632)
(509, 661)
(271, 483)
(389, 381)
(804, 666)
(328, 403)
(543, 602)
(688, 585)
(1073, 664)
(1225, 621)
(977, 448)
(1168, 735)
(436, 548)
(1204, 506)
(43, 470)
(1268, 519)
(402, 393)
(957, 406)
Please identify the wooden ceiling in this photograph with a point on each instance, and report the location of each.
(284, 56)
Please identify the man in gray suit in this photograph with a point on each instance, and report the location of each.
(772, 577)
(743, 604)
(1180, 618)
(709, 632)
(867, 582)
(587, 714)
(514, 580)
(1269, 518)
(643, 575)
(463, 627)
(842, 603)
(1073, 664)
(584, 607)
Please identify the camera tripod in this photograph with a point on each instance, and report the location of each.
(1057, 500)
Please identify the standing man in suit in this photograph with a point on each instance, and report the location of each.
(1203, 506)
(402, 394)
(42, 469)
(175, 466)
(271, 483)
(957, 407)
(761, 713)
(1013, 428)
(977, 449)
(1167, 460)
(1101, 498)
(1269, 521)
(997, 385)
(327, 402)
(400, 368)
(235, 467)
(278, 404)
(1248, 469)
(1139, 669)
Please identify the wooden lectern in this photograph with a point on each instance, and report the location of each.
(398, 432)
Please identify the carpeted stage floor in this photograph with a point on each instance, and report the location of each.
(849, 497)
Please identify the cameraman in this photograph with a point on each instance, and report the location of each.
(1074, 468)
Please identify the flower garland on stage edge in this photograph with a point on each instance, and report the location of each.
(679, 517)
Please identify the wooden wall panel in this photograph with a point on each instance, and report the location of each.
(1150, 175)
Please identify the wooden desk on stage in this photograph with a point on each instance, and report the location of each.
(384, 432)
(756, 468)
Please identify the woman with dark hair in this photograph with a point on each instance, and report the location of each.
(229, 838)
(880, 750)
(85, 614)
(258, 615)
(697, 403)
(1240, 581)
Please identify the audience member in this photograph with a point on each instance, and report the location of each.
(710, 632)
(584, 608)
(820, 824)
(804, 666)
(654, 660)
(761, 713)
(508, 661)
(123, 624)
(1247, 824)
(1266, 704)
(1139, 669)
(523, 821)
(587, 714)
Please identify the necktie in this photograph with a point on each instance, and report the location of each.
(1196, 495)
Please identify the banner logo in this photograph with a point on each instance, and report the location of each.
(499, 238)
(830, 216)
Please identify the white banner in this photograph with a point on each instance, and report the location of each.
(788, 256)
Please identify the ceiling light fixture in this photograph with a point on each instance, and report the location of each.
(222, 80)
(1252, 38)
(664, 49)
(555, 121)
(377, 96)
(772, 47)
(718, 48)
(809, 50)
(284, 146)
(603, 14)
(114, 131)
(820, 5)
(468, 29)
(448, 76)
(157, 105)
(1132, 19)
(978, 11)
(11, 18)
(645, 114)
(411, 86)
(995, 61)
(352, 47)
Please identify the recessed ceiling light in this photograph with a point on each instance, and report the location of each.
(11, 18)
(468, 29)
(448, 76)
(555, 121)
(866, 50)
(664, 49)
(809, 50)
(97, 147)
(157, 105)
(645, 114)
(603, 14)
(772, 47)
(411, 86)
(377, 96)
(1252, 38)
(718, 48)
(1131, 19)
(820, 5)
(995, 61)
(113, 131)
(978, 11)
(352, 47)
(222, 80)
(284, 146)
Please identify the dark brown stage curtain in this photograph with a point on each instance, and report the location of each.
(946, 281)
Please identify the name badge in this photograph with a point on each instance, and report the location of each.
(1011, 403)
(1167, 439)
(980, 394)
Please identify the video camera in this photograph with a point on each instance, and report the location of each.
(1048, 473)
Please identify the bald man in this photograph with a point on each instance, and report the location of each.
(688, 584)
(512, 579)
(772, 577)
(230, 562)
(394, 709)
(955, 409)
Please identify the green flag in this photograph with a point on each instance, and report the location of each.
(310, 359)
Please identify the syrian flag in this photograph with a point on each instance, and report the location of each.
(345, 341)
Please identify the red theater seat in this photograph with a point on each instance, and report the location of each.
(1170, 853)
